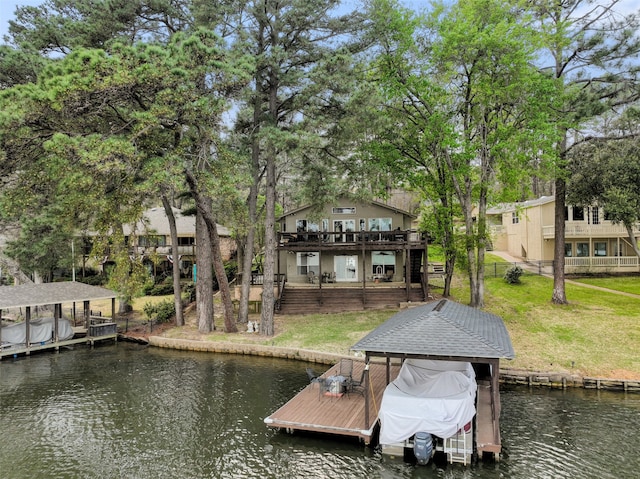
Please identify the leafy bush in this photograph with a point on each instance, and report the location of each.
(162, 288)
(162, 312)
(512, 275)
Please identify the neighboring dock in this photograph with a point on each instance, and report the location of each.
(80, 337)
(343, 416)
(31, 335)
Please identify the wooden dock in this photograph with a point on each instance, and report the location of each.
(343, 416)
(80, 338)
(487, 425)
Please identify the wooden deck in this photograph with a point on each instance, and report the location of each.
(345, 415)
(27, 350)
(487, 427)
(342, 416)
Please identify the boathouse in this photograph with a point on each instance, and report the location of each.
(442, 332)
(445, 332)
(52, 330)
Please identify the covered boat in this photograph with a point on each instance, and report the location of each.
(437, 397)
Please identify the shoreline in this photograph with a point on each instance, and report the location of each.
(553, 380)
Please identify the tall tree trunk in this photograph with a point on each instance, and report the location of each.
(204, 276)
(247, 258)
(203, 205)
(252, 204)
(559, 295)
(268, 298)
(175, 264)
(481, 246)
(221, 274)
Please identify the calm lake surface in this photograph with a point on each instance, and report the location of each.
(126, 411)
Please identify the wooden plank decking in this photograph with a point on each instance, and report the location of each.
(15, 351)
(343, 416)
(487, 427)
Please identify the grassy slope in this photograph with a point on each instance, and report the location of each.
(596, 334)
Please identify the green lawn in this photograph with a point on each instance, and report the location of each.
(628, 284)
(596, 334)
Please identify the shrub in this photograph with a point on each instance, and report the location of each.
(512, 275)
(161, 312)
(161, 288)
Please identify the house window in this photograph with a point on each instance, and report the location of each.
(595, 216)
(186, 240)
(308, 262)
(568, 250)
(600, 248)
(383, 263)
(344, 210)
(379, 224)
(578, 213)
(582, 250)
(515, 218)
(301, 226)
(344, 226)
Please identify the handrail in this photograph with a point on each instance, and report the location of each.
(349, 237)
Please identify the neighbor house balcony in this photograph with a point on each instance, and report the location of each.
(579, 229)
(601, 264)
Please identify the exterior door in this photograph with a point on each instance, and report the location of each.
(344, 226)
(346, 268)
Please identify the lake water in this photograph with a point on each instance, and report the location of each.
(127, 411)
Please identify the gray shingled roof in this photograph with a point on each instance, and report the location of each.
(50, 293)
(441, 328)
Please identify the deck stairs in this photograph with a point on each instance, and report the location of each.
(339, 299)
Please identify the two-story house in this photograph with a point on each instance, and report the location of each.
(352, 250)
(592, 242)
(151, 238)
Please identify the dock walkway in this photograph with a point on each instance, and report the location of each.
(345, 416)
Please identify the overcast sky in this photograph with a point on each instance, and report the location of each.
(8, 7)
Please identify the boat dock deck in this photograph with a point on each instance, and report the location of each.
(343, 416)
(80, 337)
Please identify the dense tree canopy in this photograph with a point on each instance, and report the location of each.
(108, 106)
(470, 111)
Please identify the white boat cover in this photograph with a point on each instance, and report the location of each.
(437, 397)
(40, 331)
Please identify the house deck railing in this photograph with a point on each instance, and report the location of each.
(583, 265)
(602, 264)
(581, 230)
(340, 238)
